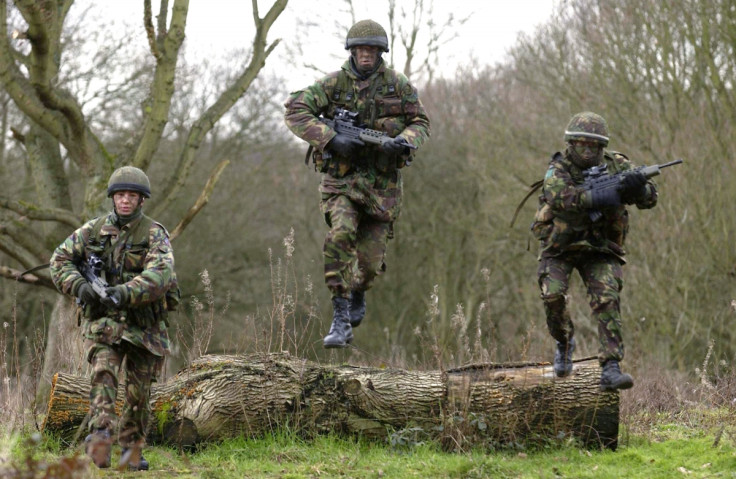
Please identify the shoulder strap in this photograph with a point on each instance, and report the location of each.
(142, 230)
(96, 235)
(97, 228)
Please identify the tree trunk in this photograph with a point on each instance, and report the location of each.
(220, 397)
(64, 347)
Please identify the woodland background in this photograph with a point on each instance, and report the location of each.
(461, 283)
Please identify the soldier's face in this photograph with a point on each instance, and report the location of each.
(366, 57)
(588, 150)
(126, 202)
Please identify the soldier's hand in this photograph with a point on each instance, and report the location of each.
(633, 186)
(86, 294)
(394, 147)
(343, 145)
(116, 296)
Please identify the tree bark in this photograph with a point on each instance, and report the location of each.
(220, 397)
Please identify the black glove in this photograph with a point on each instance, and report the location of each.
(633, 186)
(117, 296)
(594, 199)
(343, 145)
(394, 147)
(86, 294)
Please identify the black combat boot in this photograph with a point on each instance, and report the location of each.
(563, 358)
(357, 307)
(97, 446)
(133, 458)
(612, 378)
(341, 333)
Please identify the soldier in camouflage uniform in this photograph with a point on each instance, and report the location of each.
(571, 238)
(130, 321)
(361, 185)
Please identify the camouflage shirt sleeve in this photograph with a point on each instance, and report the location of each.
(417, 129)
(158, 270)
(303, 109)
(64, 272)
(560, 191)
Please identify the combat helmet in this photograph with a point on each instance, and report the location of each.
(587, 126)
(129, 178)
(367, 32)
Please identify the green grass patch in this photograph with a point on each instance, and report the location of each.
(670, 450)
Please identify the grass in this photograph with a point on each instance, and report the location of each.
(670, 450)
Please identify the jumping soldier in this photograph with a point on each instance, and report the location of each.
(361, 184)
(126, 320)
(584, 231)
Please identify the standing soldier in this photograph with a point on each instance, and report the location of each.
(126, 320)
(573, 237)
(361, 185)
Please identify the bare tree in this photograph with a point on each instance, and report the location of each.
(60, 143)
(417, 26)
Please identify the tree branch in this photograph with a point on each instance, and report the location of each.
(18, 86)
(150, 31)
(43, 214)
(203, 199)
(229, 97)
(10, 245)
(162, 89)
(44, 29)
(40, 280)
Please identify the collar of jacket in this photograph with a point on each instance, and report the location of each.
(121, 221)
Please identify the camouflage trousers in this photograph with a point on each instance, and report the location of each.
(603, 277)
(141, 369)
(354, 248)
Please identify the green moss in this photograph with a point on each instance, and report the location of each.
(163, 416)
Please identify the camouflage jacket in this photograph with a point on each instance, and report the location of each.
(563, 225)
(143, 261)
(386, 102)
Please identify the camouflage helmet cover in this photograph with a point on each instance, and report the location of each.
(367, 32)
(129, 178)
(587, 126)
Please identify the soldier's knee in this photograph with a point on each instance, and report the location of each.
(554, 302)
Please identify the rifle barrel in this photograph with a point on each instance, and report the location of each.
(675, 162)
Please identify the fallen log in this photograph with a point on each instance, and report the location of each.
(220, 397)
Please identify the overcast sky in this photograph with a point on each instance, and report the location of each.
(217, 28)
(492, 27)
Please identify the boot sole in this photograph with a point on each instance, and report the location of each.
(327, 345)
(616, 387)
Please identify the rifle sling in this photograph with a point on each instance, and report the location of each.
(34, 269)
(533, 187)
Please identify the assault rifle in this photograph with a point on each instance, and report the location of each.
(598, 180)
(346, 123)
(92, 272)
